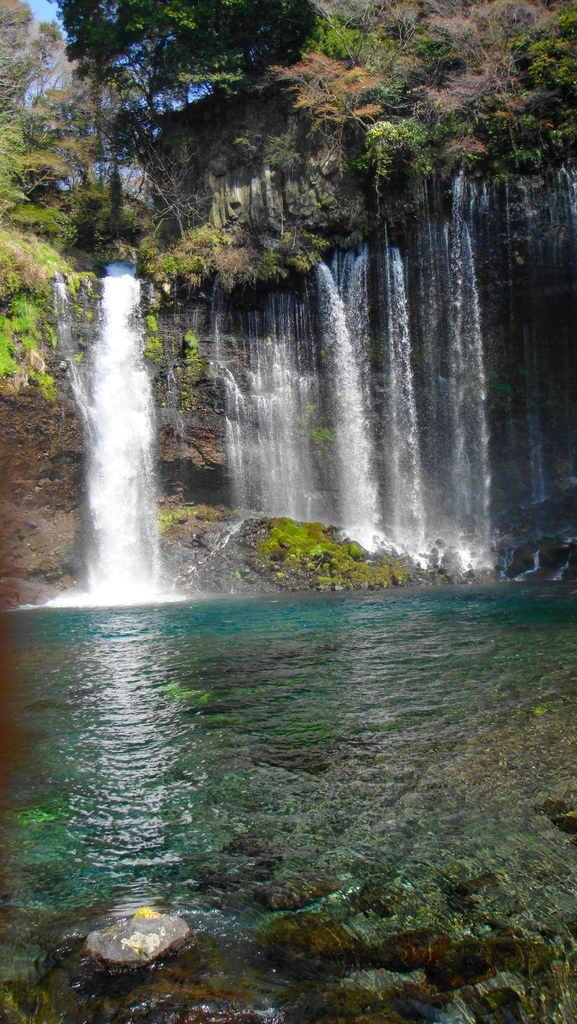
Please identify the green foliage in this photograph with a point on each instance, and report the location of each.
(25, 317)
(22, 330)
(8, 365)
(98, 220)
(190, 345)
(188, 377)
(27, 264)
(310, 424)
(394, 148)
(224, 43)
(203, 252)
(554, 55)
(11, 163)
(46, 384)
(168, 517)
(48, 221)
(154, 350)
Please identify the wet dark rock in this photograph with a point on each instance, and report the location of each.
(567, 822)
(561, 814)
(410, 950)
(553, 808)
(523, 560)
(310, 941)
(459, 967)
(554, 554)
(294, 893)
(137, 940)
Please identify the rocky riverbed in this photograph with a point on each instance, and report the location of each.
(476, 938)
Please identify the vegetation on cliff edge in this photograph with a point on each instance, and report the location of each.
(99, 153)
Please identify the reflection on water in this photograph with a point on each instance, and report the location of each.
(338, 728)
(123, 752)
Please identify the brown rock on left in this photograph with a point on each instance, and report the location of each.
(41, 454)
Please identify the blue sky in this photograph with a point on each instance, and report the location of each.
(43, 10)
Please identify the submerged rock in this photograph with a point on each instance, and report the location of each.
(294, 893)
(373, 897)
(566, 822)
(137, 940)
(411, 949)
(310, 940)
(471, 961)
(464, 965)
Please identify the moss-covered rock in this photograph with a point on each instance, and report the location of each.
(315, 551)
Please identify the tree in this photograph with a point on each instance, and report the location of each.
(166, 49)
(15, 66)
(170, 172)
(333, 94)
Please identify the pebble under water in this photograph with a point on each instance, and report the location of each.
(398, 760)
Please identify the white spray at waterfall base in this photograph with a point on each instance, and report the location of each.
(118, 414)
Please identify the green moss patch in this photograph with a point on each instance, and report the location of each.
(314, 550)
(168, 517)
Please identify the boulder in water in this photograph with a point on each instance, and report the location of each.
(138, 940)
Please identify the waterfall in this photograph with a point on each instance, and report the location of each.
(534, 431)
(270, 411)
(117, 410)
(411, 396)
(402, 438)
(357, 487)
(470, 462)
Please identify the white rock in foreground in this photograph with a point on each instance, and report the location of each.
(139, 939)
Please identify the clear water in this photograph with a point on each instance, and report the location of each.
(395, 733)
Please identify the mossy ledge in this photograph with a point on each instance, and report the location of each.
(213, 548)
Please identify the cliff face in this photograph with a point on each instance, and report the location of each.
(40, 519)
(247, 387)
(258, 167)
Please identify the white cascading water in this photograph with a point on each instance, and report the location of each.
(534, 430)
(467, 393)
(267, 436)
(121, 491)
(358, 496)
(118, 414)
(402, 435)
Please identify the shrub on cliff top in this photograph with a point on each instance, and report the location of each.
(236, 257)
(26, 264)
